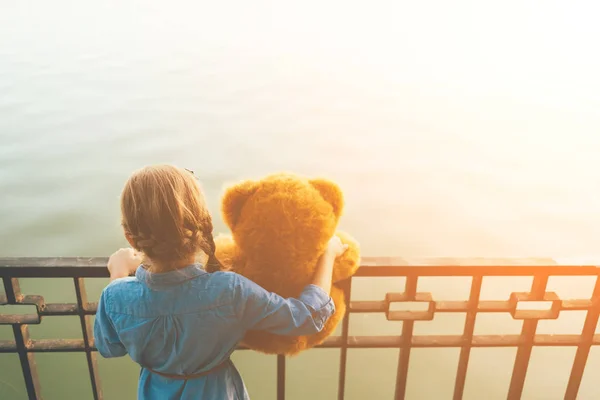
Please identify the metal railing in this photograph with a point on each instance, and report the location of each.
(11, 269)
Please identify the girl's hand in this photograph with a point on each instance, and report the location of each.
(335, 247)
(123, 262)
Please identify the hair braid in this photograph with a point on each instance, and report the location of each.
(213, 263)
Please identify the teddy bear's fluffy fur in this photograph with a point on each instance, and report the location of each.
(280, 226)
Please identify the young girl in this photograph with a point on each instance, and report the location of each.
(177, 321)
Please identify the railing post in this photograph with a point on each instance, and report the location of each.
(21, 334)
(465, 351)
(280, 377)
(88, 337)
(519, 374)
(583, 350)
(406, 341)
(347, 288)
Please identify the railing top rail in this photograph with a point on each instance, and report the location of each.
(95, 267)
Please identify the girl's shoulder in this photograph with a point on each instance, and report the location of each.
(237, 284)
(121, 286)
(227, 278)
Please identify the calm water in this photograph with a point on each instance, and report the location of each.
(454, 130)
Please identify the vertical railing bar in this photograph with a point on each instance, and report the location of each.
(538, 287)
(347, 287)
(465, 352)
(583, 350)
(87, 333)
(280, 377)
(407, 332)
(12, 290)
(21, 335)
(411, 285)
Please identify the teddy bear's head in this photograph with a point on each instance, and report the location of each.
(283, 217)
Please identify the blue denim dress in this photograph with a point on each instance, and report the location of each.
(189, 321)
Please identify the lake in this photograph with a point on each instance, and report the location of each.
(454, 129)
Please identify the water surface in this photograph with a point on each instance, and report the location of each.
(454, 129)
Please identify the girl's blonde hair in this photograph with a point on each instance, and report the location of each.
(165, 215)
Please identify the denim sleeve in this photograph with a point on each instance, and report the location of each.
(259, 309)
(106, 338)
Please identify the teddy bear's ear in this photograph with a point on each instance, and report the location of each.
(331, 193)
(234, 199)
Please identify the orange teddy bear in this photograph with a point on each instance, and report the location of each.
(281, 225)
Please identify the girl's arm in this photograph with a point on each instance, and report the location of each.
(324, 271)
(106, 338)
(120, 265)
(262, 310)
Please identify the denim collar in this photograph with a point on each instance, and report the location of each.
(171, 278)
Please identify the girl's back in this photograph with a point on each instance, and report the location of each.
(179, 323)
